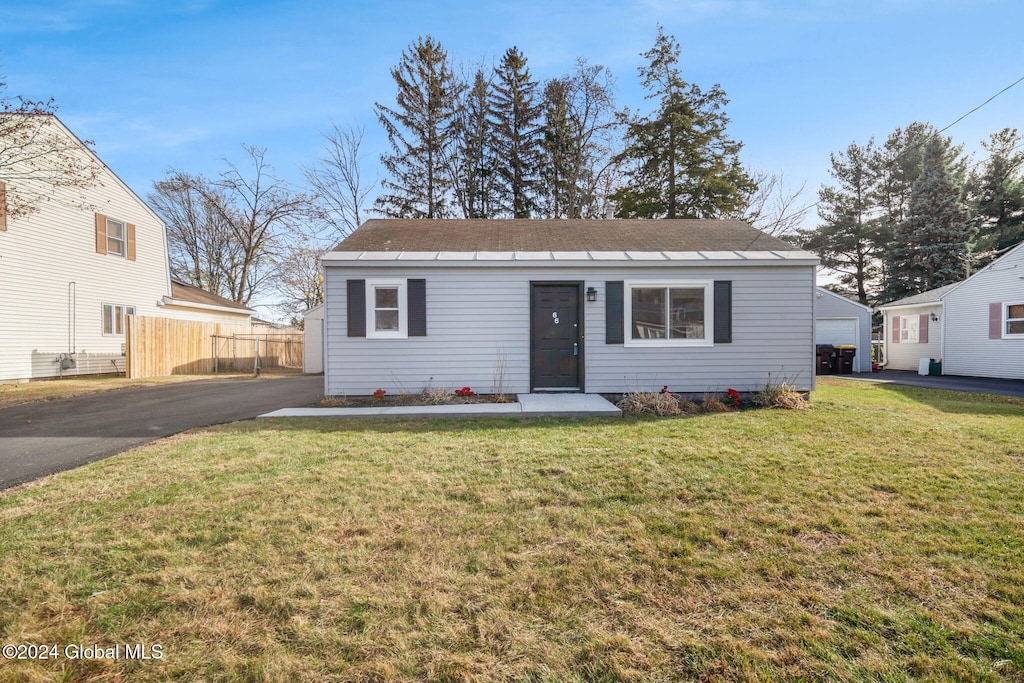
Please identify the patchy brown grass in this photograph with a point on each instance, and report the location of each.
(875, 536)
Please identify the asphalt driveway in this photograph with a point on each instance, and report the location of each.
(37, 439)
(977, 385)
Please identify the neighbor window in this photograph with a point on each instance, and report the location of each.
(386, 308)
(116, 237)
(113, 318)
(909, 329)
(669, 314)
(1014, 320)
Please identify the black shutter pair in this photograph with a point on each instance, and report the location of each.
(416, 298)
(614, 312)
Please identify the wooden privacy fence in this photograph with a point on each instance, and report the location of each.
(155, 347)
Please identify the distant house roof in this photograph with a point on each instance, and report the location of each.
(182, 292)
(930, 297)
(528, 235)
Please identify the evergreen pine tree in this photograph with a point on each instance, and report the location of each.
(998, 195)
(421, 133)
(930, 246)
(847, 239)
(515, 115)
(680, 161)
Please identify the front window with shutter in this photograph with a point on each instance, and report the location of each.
(386, 310)
(116, 237)
(1014, 320)
(909, 327)
(668, 313)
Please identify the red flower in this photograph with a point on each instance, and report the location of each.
(465, 391)
(664, 389)
(379, 395)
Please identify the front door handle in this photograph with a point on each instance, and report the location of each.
(575, 349)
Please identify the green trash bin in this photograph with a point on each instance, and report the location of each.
(934, 367)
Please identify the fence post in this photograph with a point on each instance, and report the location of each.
(213, 349)
(256, 360)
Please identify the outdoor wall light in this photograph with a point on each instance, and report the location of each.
(935, 318)
(591, 294)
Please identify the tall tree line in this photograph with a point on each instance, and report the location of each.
(499, 143)
(912, 213)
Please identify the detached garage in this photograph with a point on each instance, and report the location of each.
(842, 322)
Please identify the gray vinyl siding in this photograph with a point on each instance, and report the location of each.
(968, 350)
(907, 356)
(830, 305)
(478, 319)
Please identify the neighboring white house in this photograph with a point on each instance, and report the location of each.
(71, 271)
(841, 321)
(983, 323)
(912, 329)
(568, 305)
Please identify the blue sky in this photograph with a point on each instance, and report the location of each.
(183, 84)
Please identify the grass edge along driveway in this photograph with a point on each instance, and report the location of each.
(876, 536)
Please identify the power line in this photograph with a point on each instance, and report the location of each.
(906, 151)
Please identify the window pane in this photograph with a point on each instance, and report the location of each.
(115, 229)
(386, 297)
(115, 246)
(687, 313)
(1015, 312)
(1016, 327)
(119, 320)
(648, 313)
(108, 318)
(386, 320)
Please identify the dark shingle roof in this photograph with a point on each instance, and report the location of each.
(185, 292)
(929, 297)
(559, 235)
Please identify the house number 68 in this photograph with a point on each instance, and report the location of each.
(554, 316)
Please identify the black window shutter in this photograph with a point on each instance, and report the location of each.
(723, 311)
(357, 308)
(417, 297)
(613, 324)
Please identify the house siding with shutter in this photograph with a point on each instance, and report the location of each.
(478, 323)
(901, 355)
(974, 341)
(55, 277)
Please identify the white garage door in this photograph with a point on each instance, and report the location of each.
(836, 332)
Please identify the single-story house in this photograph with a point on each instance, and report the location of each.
(983, 323)
(912, 329)
(841, 321)
(601, 306)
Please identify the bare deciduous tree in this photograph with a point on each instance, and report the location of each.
(247, 214)
(38, 157)
(338, 182)
(772, 208)
(300, 278)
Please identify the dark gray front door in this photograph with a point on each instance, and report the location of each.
(555, 349)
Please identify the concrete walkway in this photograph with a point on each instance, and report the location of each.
(529, 405)
(977, 385)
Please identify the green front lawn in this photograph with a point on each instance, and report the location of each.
(877, 536)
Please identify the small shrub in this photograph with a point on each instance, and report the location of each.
(687, 407)
(432, 396)
(651, 403)
(712, 403)
(783, 395)
(378, 395)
